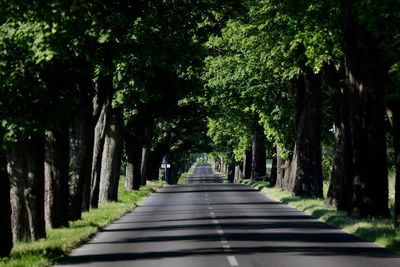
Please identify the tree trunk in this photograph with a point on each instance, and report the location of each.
(144, 165)
(6, 240)
(102, 107)
(16, 168)
(34, 191)
(111, 158)
(247, 162)
(306, 170)
(393, 110)
(366, 80)
(155, 159)
(83, 141)
(274, 167)
(280, 171)
(56, 177)
(231, 173)
(238, 174)
(133, 158)
(258, 166)
(99, 138)
(340, 188)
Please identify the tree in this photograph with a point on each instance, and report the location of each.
(6, 240)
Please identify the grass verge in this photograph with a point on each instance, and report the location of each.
(60, 242)
(182, 178)
(378, 230)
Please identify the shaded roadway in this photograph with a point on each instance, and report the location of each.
(207, 223)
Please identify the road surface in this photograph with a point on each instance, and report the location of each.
(216, 225)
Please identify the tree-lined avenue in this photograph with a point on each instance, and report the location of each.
(214, 224)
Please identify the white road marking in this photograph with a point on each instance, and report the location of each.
(215, 221)
(220, 232)
(232, 261)
(223, 240)
(227, 248)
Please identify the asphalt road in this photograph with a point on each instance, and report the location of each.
(216, 225)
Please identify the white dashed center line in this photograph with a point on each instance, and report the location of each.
(225, 244)
(232, 261)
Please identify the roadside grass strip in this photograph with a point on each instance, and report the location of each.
(378, 230)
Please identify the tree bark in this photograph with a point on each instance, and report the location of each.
(144, 165)
(16, 168)
(133, 155)
(102, 107)
(82, 144)
(280, 171)
(306, 170)
(56, 177)
(274, 167)
(247, 162)
(366, 81)
(231, 173)
(238, 174)
(34, 191)
(155, 159)
(393, 110)
(99, 138)
(6, 239)
(258, 161)
(340, 188)
(111, 158)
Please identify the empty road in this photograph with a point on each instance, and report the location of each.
(210, 224)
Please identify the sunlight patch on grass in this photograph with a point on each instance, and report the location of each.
(60, 242)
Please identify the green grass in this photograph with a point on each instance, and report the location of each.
(378, 230)
(60, 242)
(182, 178)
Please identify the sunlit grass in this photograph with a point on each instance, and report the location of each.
(59, 242)
(378, 230)
(182, 178)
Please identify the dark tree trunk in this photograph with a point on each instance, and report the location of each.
(306, 169)
(56, 177)
(6, 240)
(83, 153)
(393, 108)
(274, 167)
(231, 173)
(133, 158)
(18, 182)
(82, 149)
(258, 161)
(366, 80)
(280, 171)
(111, 158)
(34, 191)
(144, 165)
(99, 138)
(155, 160)
(340, 188)
(102, 107)
(247, 162)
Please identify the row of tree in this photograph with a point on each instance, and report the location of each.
(88, 87)
(317, 83)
